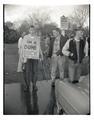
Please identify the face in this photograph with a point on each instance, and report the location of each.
(55, 33)
(31, 30)
(47, 39)
(79, 34)
(63, 32)
(23, 34)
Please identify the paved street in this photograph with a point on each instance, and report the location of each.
(18, 101)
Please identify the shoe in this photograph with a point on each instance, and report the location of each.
(53, 84)
(26, 88)
(61, 112)
(75, 81)
(35, 88)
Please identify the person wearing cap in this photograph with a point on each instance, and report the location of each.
(55, 53)
(77, 51)
(30, 65)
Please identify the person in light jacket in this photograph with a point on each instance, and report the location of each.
(20, 62)
(77, 51)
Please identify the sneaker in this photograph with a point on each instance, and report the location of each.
(26, 88)
(35, 88)
(75, 81)
(53, 84)
(61, 112)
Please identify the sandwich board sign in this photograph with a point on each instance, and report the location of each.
(31, 47)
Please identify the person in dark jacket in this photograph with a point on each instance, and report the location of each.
(77, 51)
(55, 53)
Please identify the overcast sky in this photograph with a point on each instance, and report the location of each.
(19, 12)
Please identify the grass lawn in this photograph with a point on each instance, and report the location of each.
(11, 62)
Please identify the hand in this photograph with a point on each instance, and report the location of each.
(58, 52)
(85, 59)
(71, 54)
(23, 66)
(49, 58)
(41, 59)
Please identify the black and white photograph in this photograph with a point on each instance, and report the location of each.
(46, 59)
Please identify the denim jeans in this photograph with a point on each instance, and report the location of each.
(57, 62)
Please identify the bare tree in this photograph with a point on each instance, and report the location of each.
(39, 18)
(80, 16)
(24, 27)
(9, 24)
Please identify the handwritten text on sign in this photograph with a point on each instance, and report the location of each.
(31, 47)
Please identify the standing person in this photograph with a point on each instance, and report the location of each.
(30, 63)
(55, 53)
(19, 68)
(88, 40)
(77, 51)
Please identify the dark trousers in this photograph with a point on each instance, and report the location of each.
(30, 72)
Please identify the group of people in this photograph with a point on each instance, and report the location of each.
(75, 48)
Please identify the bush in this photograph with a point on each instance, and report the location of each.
(10, 35)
